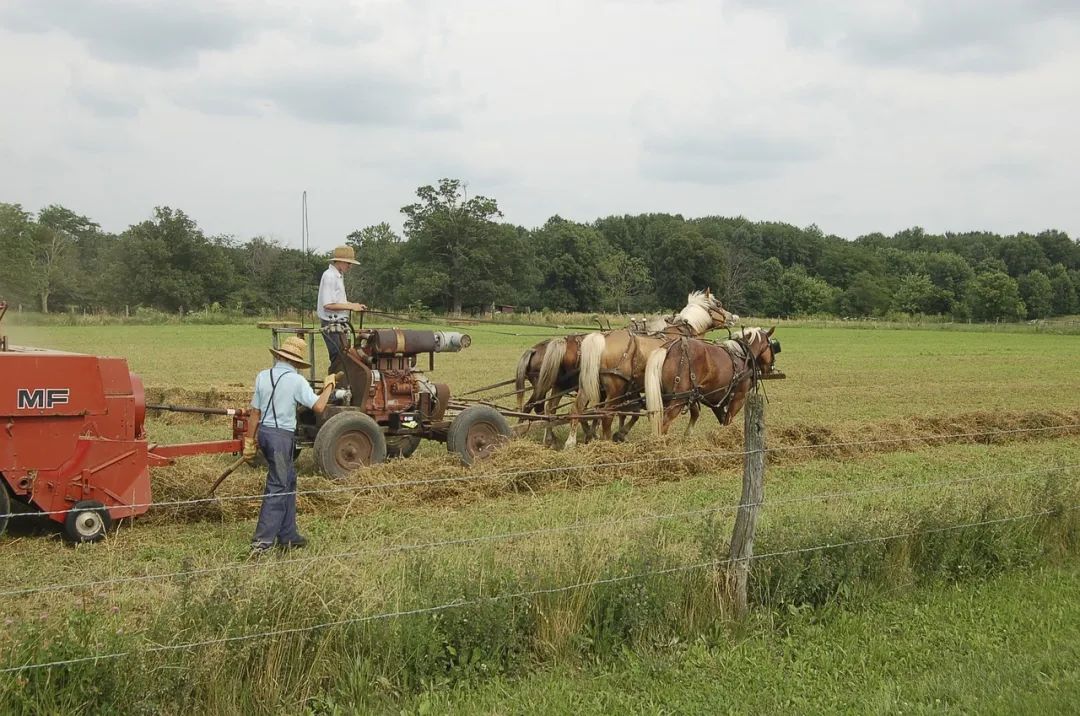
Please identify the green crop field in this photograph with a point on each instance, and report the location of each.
(867, 511)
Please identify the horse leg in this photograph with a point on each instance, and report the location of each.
(695, 412)
(548, 408)
(625, 430)
(668, 417)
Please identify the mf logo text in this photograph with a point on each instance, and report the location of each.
(39, 398)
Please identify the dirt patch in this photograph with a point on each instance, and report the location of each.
(530, 467)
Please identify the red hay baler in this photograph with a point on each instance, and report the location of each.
(72, 440)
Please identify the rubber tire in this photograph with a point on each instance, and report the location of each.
(475, 431)
(5, 506)
(75, 526)
(339, 427)
(401, 445)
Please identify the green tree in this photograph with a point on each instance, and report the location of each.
(457, 253)
(1065, 298)
(865, 296)
(168, 263)
(376, 281)
(915, 293)
(572, 257)
(686, 261)
(16, 254)
(1021, 254)
(950, 274)
(57, 239)
(802, 294)
(764, 293)
(994, 296)
(626, 281)
(1037, 293)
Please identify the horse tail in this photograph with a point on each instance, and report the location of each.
(521, 375)
(549, 368)
(654, 396)
(592, 350)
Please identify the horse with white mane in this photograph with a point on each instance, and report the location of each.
(687, 373)
(613, 364)
(552, 368)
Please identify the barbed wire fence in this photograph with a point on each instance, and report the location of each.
(736, 564)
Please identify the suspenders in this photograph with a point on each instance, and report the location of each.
(273, 389)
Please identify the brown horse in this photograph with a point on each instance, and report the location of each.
(688, 373)
(551, 366)
(613, 364)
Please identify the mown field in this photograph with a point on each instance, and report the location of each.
(645, 520)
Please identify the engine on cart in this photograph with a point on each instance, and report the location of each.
(384, 404)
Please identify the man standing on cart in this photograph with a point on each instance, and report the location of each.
(333, 305)
(272, 428)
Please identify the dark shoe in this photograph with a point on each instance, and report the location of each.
(299, 543)
(259, 549)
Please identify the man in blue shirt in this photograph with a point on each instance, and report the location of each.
(278, 390)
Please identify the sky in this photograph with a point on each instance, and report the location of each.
(855, 115)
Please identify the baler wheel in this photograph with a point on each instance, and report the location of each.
(347, 442)
(401, 445)
(87, 521)
(5, 506)
(476, 431)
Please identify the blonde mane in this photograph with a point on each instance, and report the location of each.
(696, 313)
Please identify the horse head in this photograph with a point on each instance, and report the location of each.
(762, 346)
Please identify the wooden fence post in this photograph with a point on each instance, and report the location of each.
(753, 492)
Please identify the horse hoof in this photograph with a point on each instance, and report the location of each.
(619, 437)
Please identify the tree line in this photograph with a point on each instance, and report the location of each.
(456, 254)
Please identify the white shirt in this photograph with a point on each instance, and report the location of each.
(332, 290)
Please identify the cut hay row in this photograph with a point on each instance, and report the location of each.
(530, 467)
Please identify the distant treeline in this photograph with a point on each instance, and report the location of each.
(456, 255)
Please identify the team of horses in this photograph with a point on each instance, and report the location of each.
(662, 363)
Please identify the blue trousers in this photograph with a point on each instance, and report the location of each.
(277, 518)
(333, 341)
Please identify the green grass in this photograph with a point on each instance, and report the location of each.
(1008, 645)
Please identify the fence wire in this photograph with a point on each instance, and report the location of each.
(157, 648)
(523, 534)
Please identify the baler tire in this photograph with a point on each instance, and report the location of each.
(401, 445)
(476, 431)
(87, 521)
(5, 506)
(347, 442)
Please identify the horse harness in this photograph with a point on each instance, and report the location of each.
(631, 352)
(738, 349)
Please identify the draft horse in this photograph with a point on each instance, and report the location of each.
(689, 373)
(613, 364)
(551, 366)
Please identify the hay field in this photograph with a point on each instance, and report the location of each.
(575, 524)
(838, 376)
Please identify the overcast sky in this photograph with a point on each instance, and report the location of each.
(856, 115)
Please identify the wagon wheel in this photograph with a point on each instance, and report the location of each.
(87, 521)
(347, 442)
(401, 445)
(477, 431)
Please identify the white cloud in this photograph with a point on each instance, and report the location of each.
(855, 116)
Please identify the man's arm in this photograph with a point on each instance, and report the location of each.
(324, 398)
(348, 306)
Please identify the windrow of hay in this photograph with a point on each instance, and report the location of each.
(526, 466)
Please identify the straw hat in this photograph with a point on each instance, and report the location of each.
(294, 350)
(346, 254)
